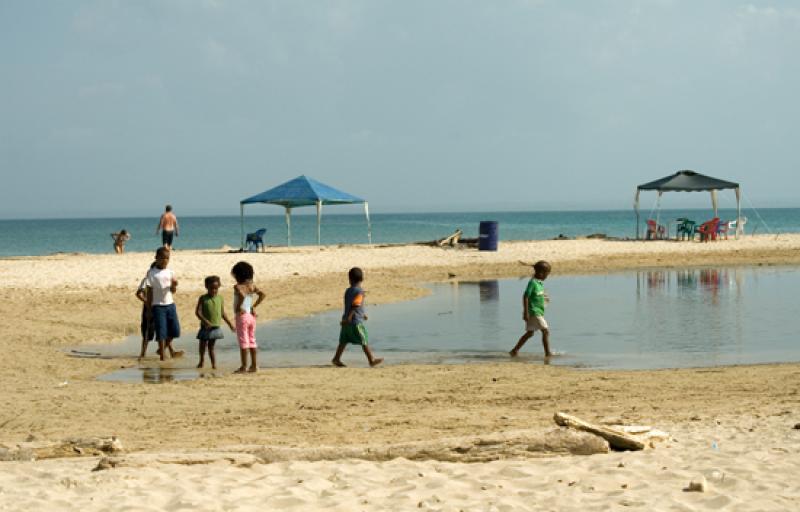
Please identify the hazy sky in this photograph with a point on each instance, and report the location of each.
(113, 108)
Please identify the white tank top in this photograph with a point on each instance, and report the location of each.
(247, 303)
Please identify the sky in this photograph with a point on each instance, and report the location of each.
(115, 108)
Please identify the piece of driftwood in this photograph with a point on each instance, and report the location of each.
(71, 447)
(483, 448)
(617, 439)
(451, 240)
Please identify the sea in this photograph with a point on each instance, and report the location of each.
(92, 235)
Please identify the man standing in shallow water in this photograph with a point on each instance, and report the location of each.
(168, 225)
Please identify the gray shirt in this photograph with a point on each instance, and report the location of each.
(354, 301)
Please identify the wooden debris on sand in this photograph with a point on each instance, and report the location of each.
(453, 240)
(71, 447)
(617, 439)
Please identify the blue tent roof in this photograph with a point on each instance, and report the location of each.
(302, 191)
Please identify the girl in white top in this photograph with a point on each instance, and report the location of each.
(244, 309)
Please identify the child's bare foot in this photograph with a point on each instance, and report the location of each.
(213, 367)
(375, 362)
(338, 363)
(252, 369)
(199, 365)
(177, 353)
(241, 369)
(513, 353)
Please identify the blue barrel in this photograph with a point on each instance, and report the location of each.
(487, 235)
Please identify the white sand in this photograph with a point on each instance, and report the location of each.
(754, 471)
(55, 302)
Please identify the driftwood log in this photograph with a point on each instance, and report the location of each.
(617, 439)
(71, 447)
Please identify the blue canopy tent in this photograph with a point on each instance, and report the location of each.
(303, 191)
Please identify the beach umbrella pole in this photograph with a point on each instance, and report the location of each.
(288, 227)
(739, 228)
(369, 226)
(241, 221)
(319, 221)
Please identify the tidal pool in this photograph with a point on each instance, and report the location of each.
(631, 320)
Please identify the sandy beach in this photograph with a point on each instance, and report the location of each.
(195, 444)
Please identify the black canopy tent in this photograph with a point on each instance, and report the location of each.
(690, 181)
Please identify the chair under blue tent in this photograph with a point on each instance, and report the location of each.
(256, 240)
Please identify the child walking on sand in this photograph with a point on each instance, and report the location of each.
(146, 325)
(533, 301)
(161, 284)
(245, 310)
(353, 329)
(211, 312)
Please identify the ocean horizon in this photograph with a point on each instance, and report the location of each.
(37, 237)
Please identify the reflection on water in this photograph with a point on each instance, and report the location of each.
(648, 319)
(154, 375)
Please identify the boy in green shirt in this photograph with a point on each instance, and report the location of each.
(533, 309)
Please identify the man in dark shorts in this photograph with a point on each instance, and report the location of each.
(168, 225)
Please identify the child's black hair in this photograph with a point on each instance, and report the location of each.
(211, 280)
(242, 272)
(356, 275)
(161, 252)
(541, 267)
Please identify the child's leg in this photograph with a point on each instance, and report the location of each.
(144, 348)
(211, 354)
(525, 337)
(203, 344)
(337, 358)
(161, 349)
(373, 361)
(253, 359)
(168, 343)
(546, 342)
(243, 356)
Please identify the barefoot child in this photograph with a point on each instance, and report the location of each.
(161, 284)
(533, 309)
(146, 326)
(245, 310)
(353, 329)
(119, 241)
(211, 311)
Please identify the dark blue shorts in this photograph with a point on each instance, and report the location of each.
(165, 322)
(146, 327)
(166, 237)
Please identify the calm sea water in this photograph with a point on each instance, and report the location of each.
(633, 320)
(39, 237)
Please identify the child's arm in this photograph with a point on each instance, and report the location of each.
(149, 300)
(198, 311)
(237, 300)
(260, 298)
(525, 305)
(141, 294)
(227, 320)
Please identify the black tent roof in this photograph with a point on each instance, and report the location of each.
(687, 181)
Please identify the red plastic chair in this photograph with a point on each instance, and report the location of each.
(708, 229)
(655, 231)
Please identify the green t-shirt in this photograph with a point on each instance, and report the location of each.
(535, 294)
(212, 309)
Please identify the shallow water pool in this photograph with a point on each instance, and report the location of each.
(632, 320)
